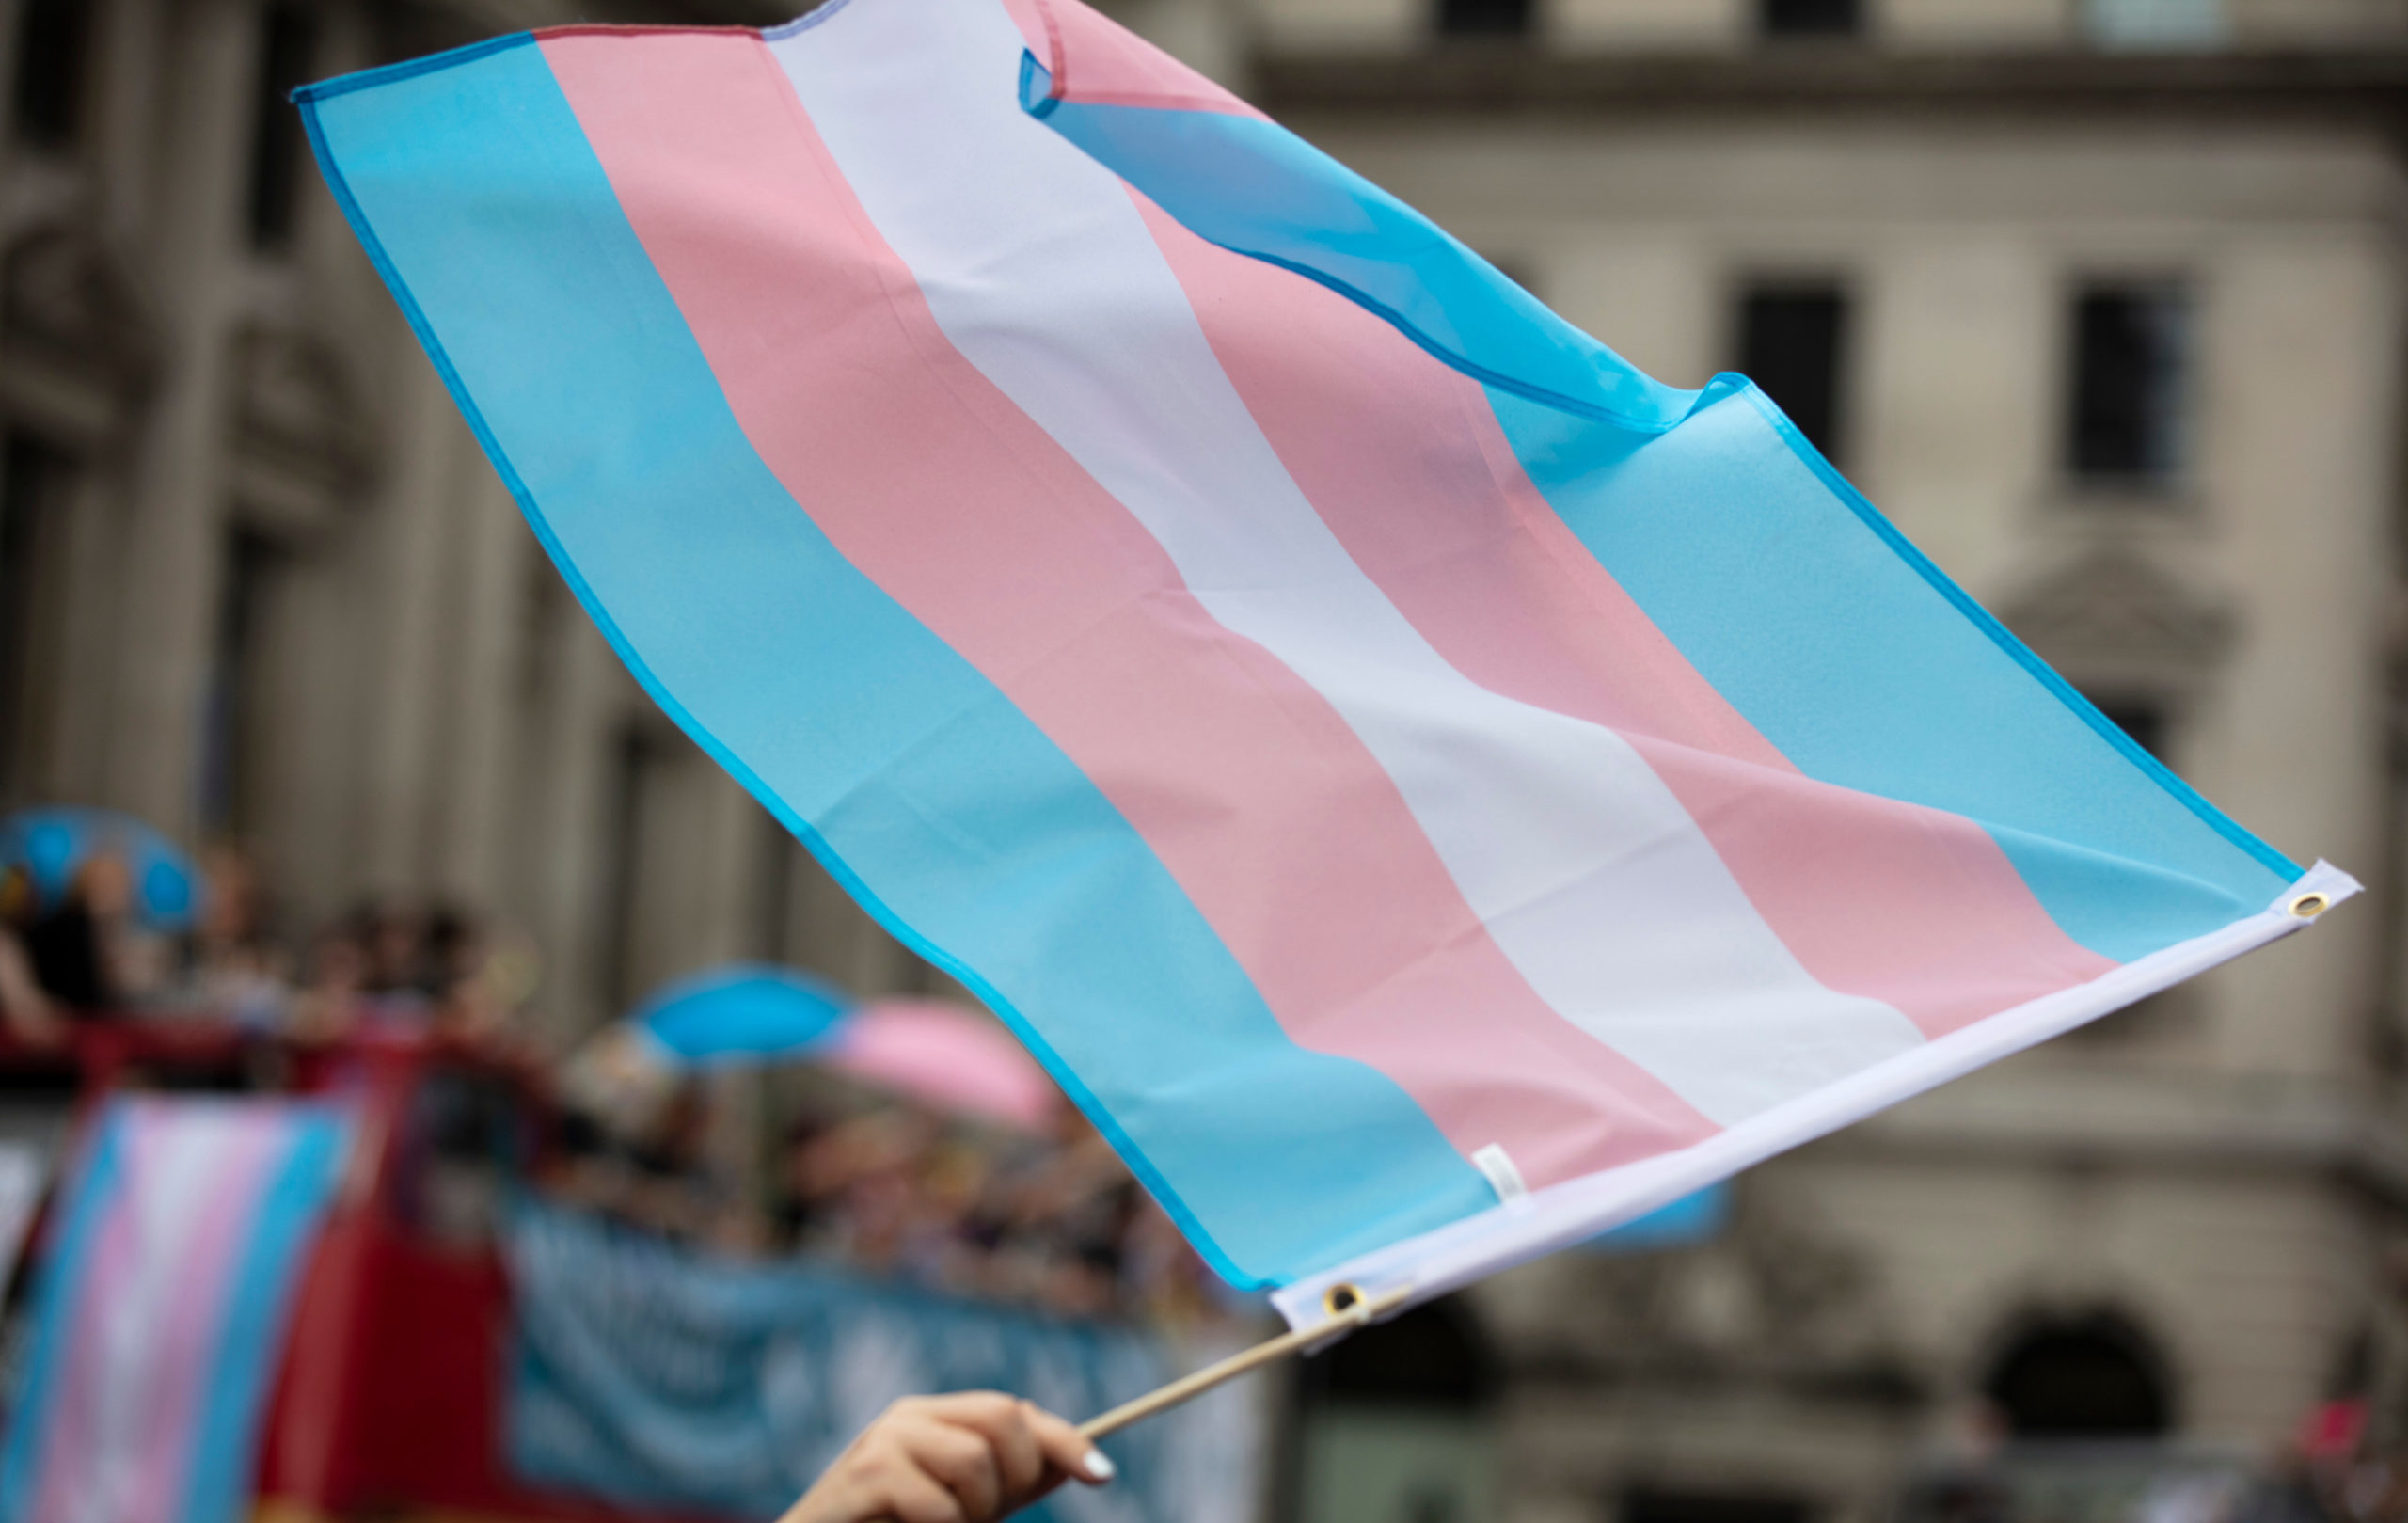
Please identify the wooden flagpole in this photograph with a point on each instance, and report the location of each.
(1348, 1316)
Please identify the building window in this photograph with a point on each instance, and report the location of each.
(2154, 24)
(1792, 342)
(51, 35)
(288, 39)
(640, 823)
(2087, 1377)
(35, 497)
(1515, 268)
(2141, 716)
(773, 938)
(2131, 387)
(1809, 18)
(1484, 17)
(235, 731)
(1399, 1421)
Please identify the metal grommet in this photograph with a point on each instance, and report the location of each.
(1340, 1298)
(2308, 905)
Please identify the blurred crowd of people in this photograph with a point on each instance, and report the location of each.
(870, 1181)
(87, 954)
(1055, 1222)
(900, 1192)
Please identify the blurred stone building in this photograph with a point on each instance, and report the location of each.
(259, 582)
(2101, 301)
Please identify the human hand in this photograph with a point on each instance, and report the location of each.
(968, 1458)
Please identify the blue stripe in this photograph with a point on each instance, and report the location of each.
(57, 1295)
(967, 832)
(1867, 668)
(1295, 206)
(252, 1338)
(1834, 637)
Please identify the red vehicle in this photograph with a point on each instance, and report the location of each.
(388, 1401)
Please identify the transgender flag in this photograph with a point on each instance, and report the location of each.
(163, 1310)
(1429, 791)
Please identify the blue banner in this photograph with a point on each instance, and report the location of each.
(654, 1375)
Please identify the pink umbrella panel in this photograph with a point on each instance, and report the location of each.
(947, 1057)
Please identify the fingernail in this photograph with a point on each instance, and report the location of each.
(1099, 1468)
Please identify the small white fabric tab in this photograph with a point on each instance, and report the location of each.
(1494, 1162)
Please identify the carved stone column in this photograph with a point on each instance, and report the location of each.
(174, 545)
(426, 440)
(492, 550)
(77, 353)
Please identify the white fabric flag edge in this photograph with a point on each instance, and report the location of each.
(1450, 1257)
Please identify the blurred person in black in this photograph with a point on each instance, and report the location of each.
(85, 956)
(237, 971)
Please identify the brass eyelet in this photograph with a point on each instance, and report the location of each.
(1340, 1298)
(2308, 905)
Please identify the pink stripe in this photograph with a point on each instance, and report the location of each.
(176, 1375)
(1403, 457)
(1237, 773)
(185, 1365)
(1029, 16)
(1094, 60)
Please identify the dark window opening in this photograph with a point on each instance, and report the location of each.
(233, 726)
(1809, 18)
(51, 46)
(2132, 361)
(36, 499)
(1421, 1391)
(2091, 1377)
(1484, 17)
(544, 608)
(2355, 1370)
(1793, 339)
(635, 780)
(774, 906)
(2138, 715)
(1432, 1355)
(1517, 269)
(1645, 1505)
(1428, 1503)
(23, 501)
(288, 38)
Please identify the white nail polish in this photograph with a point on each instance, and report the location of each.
(1099, 1467)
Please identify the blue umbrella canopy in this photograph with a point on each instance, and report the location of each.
(740, 1012)
(52, 845)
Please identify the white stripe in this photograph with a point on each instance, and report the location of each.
(175, 1163)
(1433, 1262)
(1589, 874)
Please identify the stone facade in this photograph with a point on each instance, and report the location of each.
(274, 592)
(260, 583)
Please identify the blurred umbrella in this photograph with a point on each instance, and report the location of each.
(947, 1056)
(930, 1051)
(52, 845)
(743, 1013)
